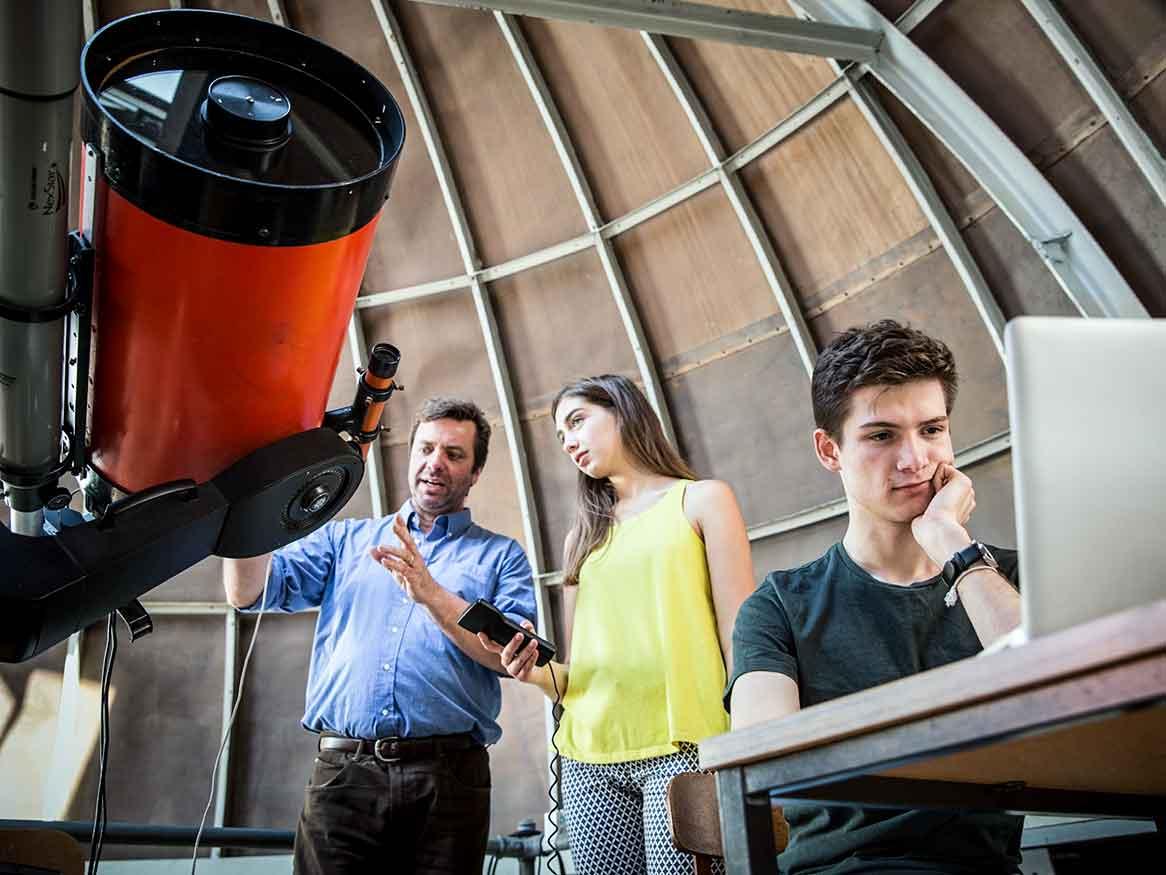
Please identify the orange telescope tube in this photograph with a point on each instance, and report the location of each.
(242, 169)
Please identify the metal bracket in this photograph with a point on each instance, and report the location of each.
(1054, 248)
(81, 264)
(137, 620)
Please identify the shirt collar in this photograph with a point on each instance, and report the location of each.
(453, 524)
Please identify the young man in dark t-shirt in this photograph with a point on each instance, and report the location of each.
(907, 589)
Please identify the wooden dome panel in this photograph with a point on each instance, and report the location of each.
(631, 135)
(744, 90)
(831, 198)
(559, 322)
(693, 275)
(515, 193)
(746, 419)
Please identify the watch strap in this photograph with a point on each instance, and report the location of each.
(959, 565)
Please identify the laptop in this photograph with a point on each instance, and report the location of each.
(1087, 406)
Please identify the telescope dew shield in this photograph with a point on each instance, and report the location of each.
(38, 75)
(244, 168)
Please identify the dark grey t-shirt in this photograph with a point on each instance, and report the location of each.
(836, 630)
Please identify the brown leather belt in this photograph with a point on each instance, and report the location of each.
(389, 750)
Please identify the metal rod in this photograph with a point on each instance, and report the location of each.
(162, 608)
(276, 11)
(59, 784)
(699, 21)
(412, 81)
(230, 664)
(630, 318)
(410, 293)
(116, 833)
(790, 125)
(89, 18)
(915, 14)
(746, 826)
(549, 112)
(151, 834)
(516, 443)
(536, 259)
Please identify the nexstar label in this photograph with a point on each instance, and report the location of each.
(47, 197)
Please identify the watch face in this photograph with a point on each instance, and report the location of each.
(949, 573)
(989, 559)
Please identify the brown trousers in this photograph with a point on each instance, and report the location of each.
(425, 816)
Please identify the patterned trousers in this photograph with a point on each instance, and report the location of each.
(617, 815)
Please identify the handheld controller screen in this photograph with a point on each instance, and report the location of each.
(482, 616)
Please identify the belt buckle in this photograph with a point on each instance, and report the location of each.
(376, 750)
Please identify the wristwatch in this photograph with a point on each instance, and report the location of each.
(973, 554)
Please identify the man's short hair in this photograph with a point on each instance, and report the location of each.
(441, 407)
(883, 353)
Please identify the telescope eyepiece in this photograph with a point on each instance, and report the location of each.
(383, 360)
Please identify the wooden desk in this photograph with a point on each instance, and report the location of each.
(1071, 723)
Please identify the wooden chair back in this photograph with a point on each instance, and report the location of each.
(695, 822)
(45, 850)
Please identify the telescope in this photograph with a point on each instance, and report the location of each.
(175, 351)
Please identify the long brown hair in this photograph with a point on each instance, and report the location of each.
(641, 437)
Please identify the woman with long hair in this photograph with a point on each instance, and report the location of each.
(656, 565)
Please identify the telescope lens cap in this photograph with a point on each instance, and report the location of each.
(248, 112)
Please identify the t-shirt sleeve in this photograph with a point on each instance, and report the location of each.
(1009, 562)
(762, 637)
(300, 573)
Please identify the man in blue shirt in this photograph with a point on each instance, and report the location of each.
(403, 698)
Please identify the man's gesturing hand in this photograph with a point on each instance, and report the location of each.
(406, 565)
(939, 530)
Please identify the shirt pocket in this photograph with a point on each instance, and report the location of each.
(470, 582)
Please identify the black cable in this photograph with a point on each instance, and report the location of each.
(94, 841)
(555, 863)
(101, 764)
(97, 839)
(111, 633)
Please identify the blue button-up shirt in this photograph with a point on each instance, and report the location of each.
(380, 664)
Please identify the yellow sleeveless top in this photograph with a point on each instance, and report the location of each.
(646, 666)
